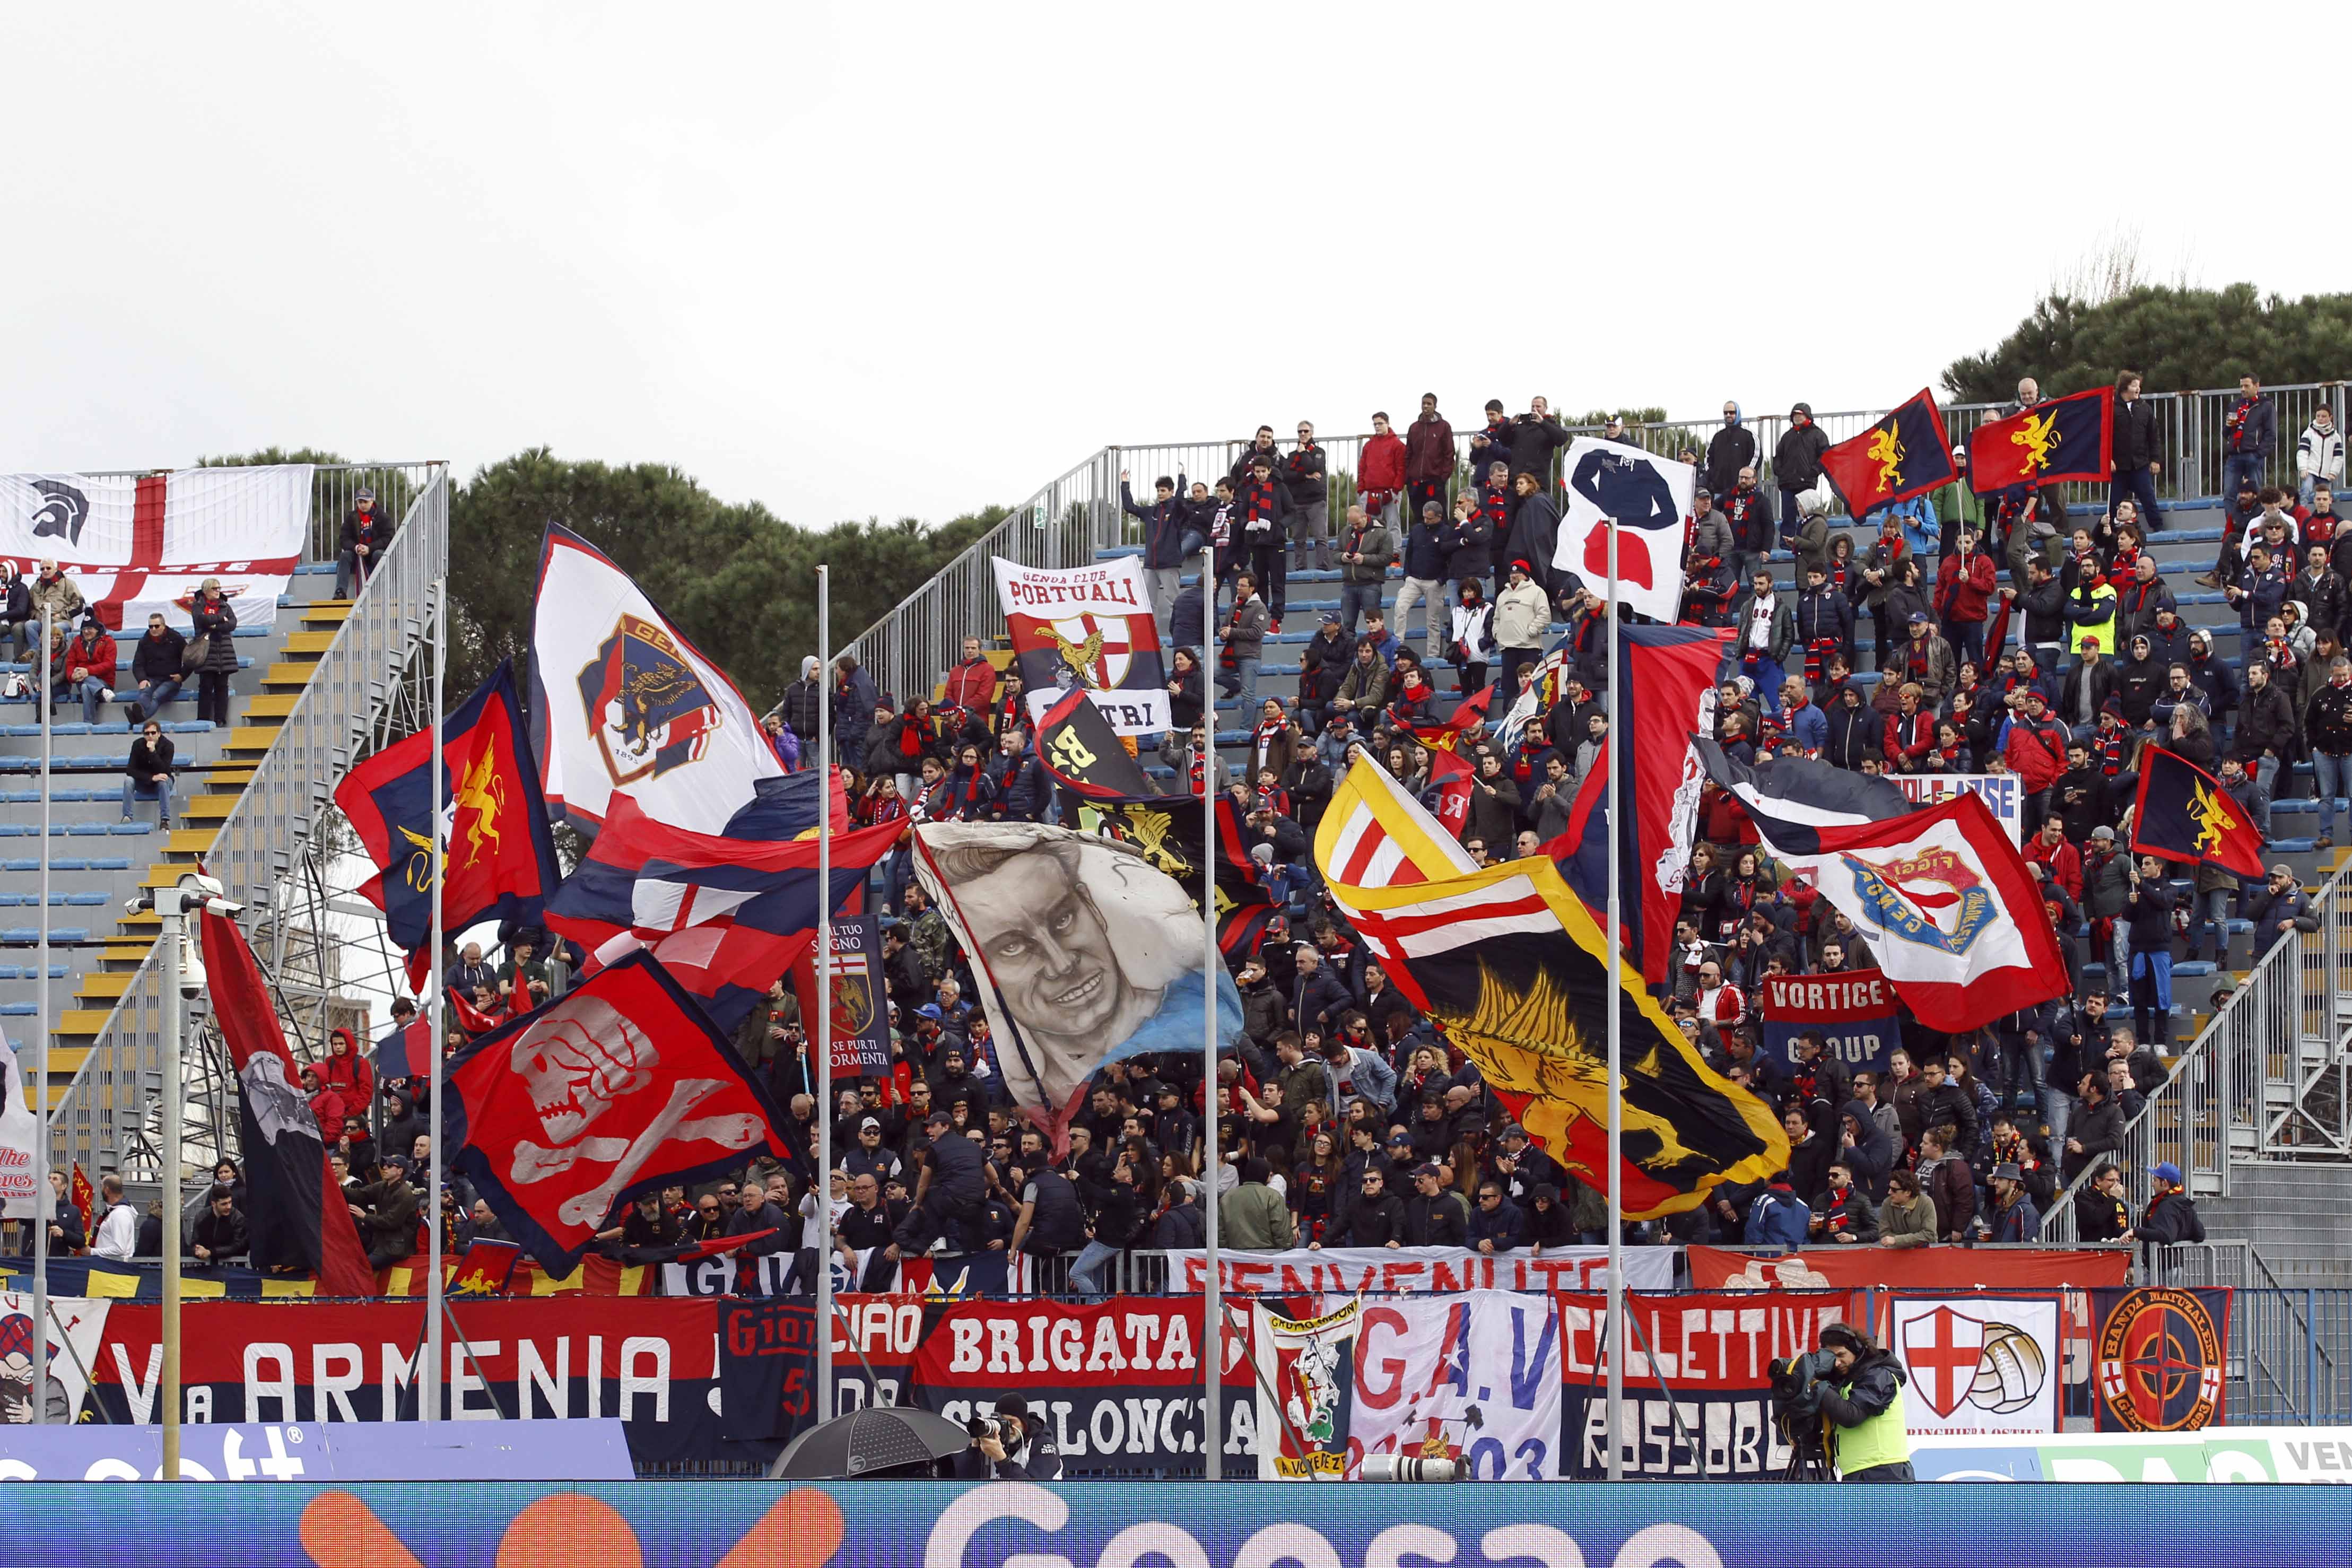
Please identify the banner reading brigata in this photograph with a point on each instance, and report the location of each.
(138, 545)
(1086, 629)
(1854, 1014)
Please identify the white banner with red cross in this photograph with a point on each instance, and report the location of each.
(1087, 627)
(1977, 1363)
(136, 544)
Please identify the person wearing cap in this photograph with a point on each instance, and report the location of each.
(2170, 1218)
(1522, 618)
(364, 533)
(1012, 1445)
(2280, 908)
(952, 1191)
(386, 1214)
(1863, 1408)
(2014, 1219)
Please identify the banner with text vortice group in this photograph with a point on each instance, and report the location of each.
(1854, 1014)
(1087, 629)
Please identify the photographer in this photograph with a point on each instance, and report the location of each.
(1014, 1446)
(1864, 1408)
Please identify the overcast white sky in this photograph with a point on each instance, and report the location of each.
(911, 259)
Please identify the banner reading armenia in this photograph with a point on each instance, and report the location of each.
(1086, 629)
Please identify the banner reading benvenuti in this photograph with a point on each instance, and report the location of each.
(139, 545)
(1090, 628)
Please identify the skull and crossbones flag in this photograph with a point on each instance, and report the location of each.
(286, 1174)
(617, 1089)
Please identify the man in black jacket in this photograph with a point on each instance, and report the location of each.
(1307, 485)
(1376, 1217)
(952, 1192)
(1855, 731)
(2137, 453)
(155, 670)
(1797, 466)
(1728, 450)
(2171, 1219)
(1431, 1217)
(1018, 1448)
(2248, 430)
(1864, 1407)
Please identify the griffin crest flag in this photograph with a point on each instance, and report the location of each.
(1510, 964)
(615, 1089)
(1903, 455)
(621, 700)
(2065, 438)
(2183, 813)
(500, 862)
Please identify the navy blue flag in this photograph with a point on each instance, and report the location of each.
(861, 1004)
(1905, 454)
(500, 860)
(2066, 438)
(1791, 796)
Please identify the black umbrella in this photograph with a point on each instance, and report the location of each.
(863, 1442)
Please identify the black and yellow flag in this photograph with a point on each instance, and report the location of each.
(1508, 961)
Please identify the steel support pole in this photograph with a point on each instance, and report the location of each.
(173, 926)
(39, 1088)
(429, 1384)
(821, 1189)
(1212, 1298)
(1616, 1308)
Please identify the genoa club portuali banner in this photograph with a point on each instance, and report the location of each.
(136, 544)
(1086, 629)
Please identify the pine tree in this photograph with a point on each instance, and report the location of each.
(2178, 339)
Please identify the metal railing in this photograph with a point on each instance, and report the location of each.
(2263, 1079)
(1069, 520)
(102, 1117)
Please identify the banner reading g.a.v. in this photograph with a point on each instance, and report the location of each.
(1086, 629)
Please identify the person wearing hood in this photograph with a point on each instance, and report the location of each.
(1866, 1148)
(1797, 465)
(854, 702)
(1863, 1406)
(345, 1070)
(2319, 455)
(1728, 450)
(799, 706)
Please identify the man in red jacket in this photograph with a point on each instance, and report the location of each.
(2035, 751)
(1428, 455)
(2049, 848)
(1964, 582)
(972, 684)
(1381, 473)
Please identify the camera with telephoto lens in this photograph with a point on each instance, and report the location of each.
(1797, 1385)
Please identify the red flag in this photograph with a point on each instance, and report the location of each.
(291, 1216)
(615, 1089)
(1996, 635)
(1470, 713)
(2064, 439)
(1448, 797)
(85, 1197)
(1900, 456)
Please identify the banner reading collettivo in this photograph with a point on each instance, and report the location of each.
(1090, 628)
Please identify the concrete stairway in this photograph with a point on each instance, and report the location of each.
(98, 860)
(2294, 1215)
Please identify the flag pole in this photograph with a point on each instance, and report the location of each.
(38, 1091)
(173, 927)
(429, 1384)
(1616, 1046)
(821, 970)
(1212, 1302)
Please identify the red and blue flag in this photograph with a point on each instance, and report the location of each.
(2064, 439)
(1905, 454)
(499, 861)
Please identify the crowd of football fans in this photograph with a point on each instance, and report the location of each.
(1345, 1119)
